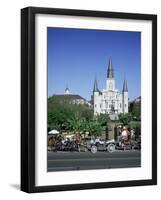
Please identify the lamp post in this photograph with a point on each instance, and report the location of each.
(106, 134)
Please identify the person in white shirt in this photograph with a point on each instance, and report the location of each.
(124, 134)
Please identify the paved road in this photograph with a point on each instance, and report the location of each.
(62, 161)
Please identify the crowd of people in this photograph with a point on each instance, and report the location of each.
(126, 135)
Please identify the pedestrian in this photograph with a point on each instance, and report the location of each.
(124, 134)
(97, 141)
(132, 132)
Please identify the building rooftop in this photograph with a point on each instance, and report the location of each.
(69, 96)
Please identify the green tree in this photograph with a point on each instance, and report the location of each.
(65, 116)
(136, 111)
(136, 126)
(125, 118)
(73, 117)
(103, 119)
(95, 128)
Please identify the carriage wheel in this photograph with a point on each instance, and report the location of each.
(85, 149)
(94, 149)
(111, 148)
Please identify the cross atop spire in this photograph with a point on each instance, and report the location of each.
(110, 71)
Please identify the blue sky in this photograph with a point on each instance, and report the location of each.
(76, 56)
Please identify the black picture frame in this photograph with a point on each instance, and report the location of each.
(28, 99)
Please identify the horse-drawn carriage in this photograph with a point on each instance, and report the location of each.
(100, 145)
(59, 144)
(56, 142)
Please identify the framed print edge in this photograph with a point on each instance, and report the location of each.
(154, 99)
(28, 100)
(24, 101)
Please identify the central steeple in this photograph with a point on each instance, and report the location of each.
(110, 71)
(110, 81)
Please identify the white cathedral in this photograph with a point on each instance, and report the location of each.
(110, 100)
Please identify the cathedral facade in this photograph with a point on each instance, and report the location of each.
(110, 100)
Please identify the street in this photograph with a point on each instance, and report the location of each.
(62, 161)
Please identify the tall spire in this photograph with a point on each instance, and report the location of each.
(125, 89)
(110, 71)
(95, 87)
